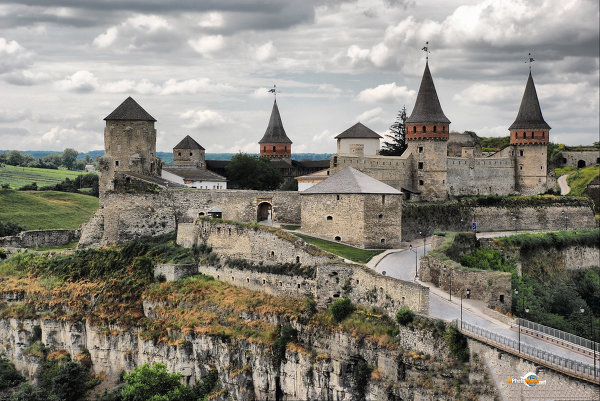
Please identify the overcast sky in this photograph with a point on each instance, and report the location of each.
(203, 68)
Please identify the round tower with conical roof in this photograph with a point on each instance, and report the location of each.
(427, 133)
(129, 144)
(275, 143)
(529, 136)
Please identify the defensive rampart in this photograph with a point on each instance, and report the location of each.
(39, 238)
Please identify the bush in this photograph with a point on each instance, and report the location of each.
(29, 187)
(341, 308)
(155, 383)
(27, 392)
(287, 334)
(9, 376)
(10, 229)
(457, 344)
(404, 316)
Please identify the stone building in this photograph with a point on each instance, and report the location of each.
(355, 208)
(436, 164)
(580, 158)
(189, 167)
(358, 140)
(129, 146)
(275, 143)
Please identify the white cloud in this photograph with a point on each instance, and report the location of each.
(483, 93)
(12, 55)
(202, 118)
(323, 136)
(386, 93)
(107, 38)
(169, 87)
(149, 23)
(212, 20)
(369, 115)
(261, 93)
(81, 81)
(265, 52)
(206, 45)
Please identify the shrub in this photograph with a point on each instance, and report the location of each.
(287, 334)
(9, 376)
(457, 344)
(361, 373)
(10, 229)
(341, 308)
(27, 392)
(155, 383)
(404, 316)
(29, 187)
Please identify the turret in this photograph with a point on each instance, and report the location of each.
(275, 143)
(188, 152)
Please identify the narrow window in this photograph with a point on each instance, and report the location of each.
(383, 241)
(501, 298)
(281, 283)
(424, 129)
(414, 129)
(383, 199)
(532, 134)
(337, 197)
(520, 153)
(272, 253)
(329, 217)
(273, 148)
(298, 285)
(420, 149)
(520, 167)
(178, 153)
(421, 182)
(191, 153)
(247, 279)
(380, 216)
(264, 281)
(230, 231)
(435, 128)
(297, 259)
(116, 163)
(420, 165)
(285, 148)
(334, 163)
(338, 238)
(264, 148)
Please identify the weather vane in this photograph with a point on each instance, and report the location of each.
(530, 60)
(273, 90)
(426, 50)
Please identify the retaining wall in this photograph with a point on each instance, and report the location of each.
(39, 238)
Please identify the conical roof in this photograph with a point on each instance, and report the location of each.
(530, 113)
(358, 130)
(275, 132)
(427, 107)
(130, 110)
(188, 143)
(350, 181)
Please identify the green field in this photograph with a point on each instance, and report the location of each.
(46, 210)
(578, 178)
(16, 177)
(345, 251)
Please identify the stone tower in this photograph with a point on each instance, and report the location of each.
(188, 152)
(529, 136)
(427, 133)
(275, 143)
(129, 144)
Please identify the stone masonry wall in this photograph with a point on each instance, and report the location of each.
(39, 238)
(480, 176)
(173, 272)
(590, 157)
(430, 217)
(494, 288)
(396, 171)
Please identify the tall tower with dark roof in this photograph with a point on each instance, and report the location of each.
(129, 144)
(529, 136)
(427, 133)
(275, 143)
(188, 152)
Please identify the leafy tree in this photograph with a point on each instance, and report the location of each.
(68, 383)
(10, 228)
(341, 308)
(155, 384)
(252, 172)
(27, 392)
(404, 316)
(9, 376)
(14, 158)
(69, 156)
(291, 184)
(397, 143)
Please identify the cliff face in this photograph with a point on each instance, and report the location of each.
(321, 365)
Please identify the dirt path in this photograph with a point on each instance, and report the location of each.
(562, 183)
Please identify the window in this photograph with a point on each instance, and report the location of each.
(380, 216)
(178, 153)
(532, 134)
(420, 165)
(264, 281)
(337, 197)
(424, 129)
(116, 163)
(338, 238)
(520, 153)
(201, 214)
(521, 167)
(329, 218)
(421, 182)
(274, 148)
(191, 154)
(383, 241)
(297, 259)
(383, 199)
(298, 285)
(334, 163)
(285, 148)
(272, 253)
(435, 128)
(264, 148)
(420, 149)
(247, 279)
(501, 298)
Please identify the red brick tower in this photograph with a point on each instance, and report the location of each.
(275, 143)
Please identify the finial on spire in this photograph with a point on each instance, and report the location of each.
(426, 50)
(274, 91)
(530, 60)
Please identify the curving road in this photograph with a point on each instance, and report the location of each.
(562, 183)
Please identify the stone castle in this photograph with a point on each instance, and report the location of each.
(438, 164)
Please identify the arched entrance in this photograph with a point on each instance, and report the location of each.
(581, 164)
(264, 212)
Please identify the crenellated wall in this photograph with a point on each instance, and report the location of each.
(480, 176)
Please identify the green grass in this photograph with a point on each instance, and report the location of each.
(579, 180)
(290, 227)
(345, 251)
(16, 177)
(46, 210)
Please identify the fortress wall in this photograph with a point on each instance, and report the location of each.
(590, 157)
(430, 217)
(39, 238)
(396, 171)
(480, 176)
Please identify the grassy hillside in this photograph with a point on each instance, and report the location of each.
(578, 178)
(16, 177)
(345, 251)
(46, 209)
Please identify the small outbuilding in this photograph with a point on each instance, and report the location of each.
(354, 208)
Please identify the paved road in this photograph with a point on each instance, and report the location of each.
(401, 265)
(562, 183)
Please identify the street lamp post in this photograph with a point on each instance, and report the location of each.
(525, 310)
(514, 219)
(582, 310)
(410, 247)
(445, 270)
(564, 214)
(461, 298)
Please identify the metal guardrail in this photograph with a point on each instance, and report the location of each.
(561, 335)
(578, 369)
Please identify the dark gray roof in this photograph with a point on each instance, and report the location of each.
(130, 110)
(275, 132)
(350, 181)
(195, 174)
(358, 130)
(530, 113)
(320, 164)
(153, 179)
(188, 143)
(427, 107)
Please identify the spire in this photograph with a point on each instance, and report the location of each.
(188, 143)
(275, 132)
(130, 110)
(427, 107)
(530, 113)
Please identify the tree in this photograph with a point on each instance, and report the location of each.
(68, 158)
(397, 142)
(251, 172)
(14, 158)
(155, 384)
